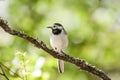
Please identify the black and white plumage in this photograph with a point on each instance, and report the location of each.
(59, 42)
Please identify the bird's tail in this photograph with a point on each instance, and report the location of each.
(60, 66)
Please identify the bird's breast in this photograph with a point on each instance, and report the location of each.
(59, 41)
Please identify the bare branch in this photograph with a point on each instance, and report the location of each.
(3, 66)
(40, 44)
(3, 73)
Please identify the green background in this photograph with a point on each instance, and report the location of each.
(93, 28)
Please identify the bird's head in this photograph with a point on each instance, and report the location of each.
(57, 28)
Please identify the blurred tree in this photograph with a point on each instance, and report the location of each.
(91, 26)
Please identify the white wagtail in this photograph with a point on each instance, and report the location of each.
(59, 42)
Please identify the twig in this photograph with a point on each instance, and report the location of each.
(40, 44)
(2, 65)
(23, 67)
(3, 73)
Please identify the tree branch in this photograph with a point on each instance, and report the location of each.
(40, 44)
(3, 73)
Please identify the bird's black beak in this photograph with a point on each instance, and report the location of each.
(49, 27)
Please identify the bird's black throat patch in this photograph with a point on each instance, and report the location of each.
(56, 31)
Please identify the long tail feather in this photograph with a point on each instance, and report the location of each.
(60, 66)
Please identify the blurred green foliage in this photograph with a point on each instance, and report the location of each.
(93, 31)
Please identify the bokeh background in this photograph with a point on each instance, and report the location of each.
(93, 28)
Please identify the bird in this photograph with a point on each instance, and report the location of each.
(59, 42)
